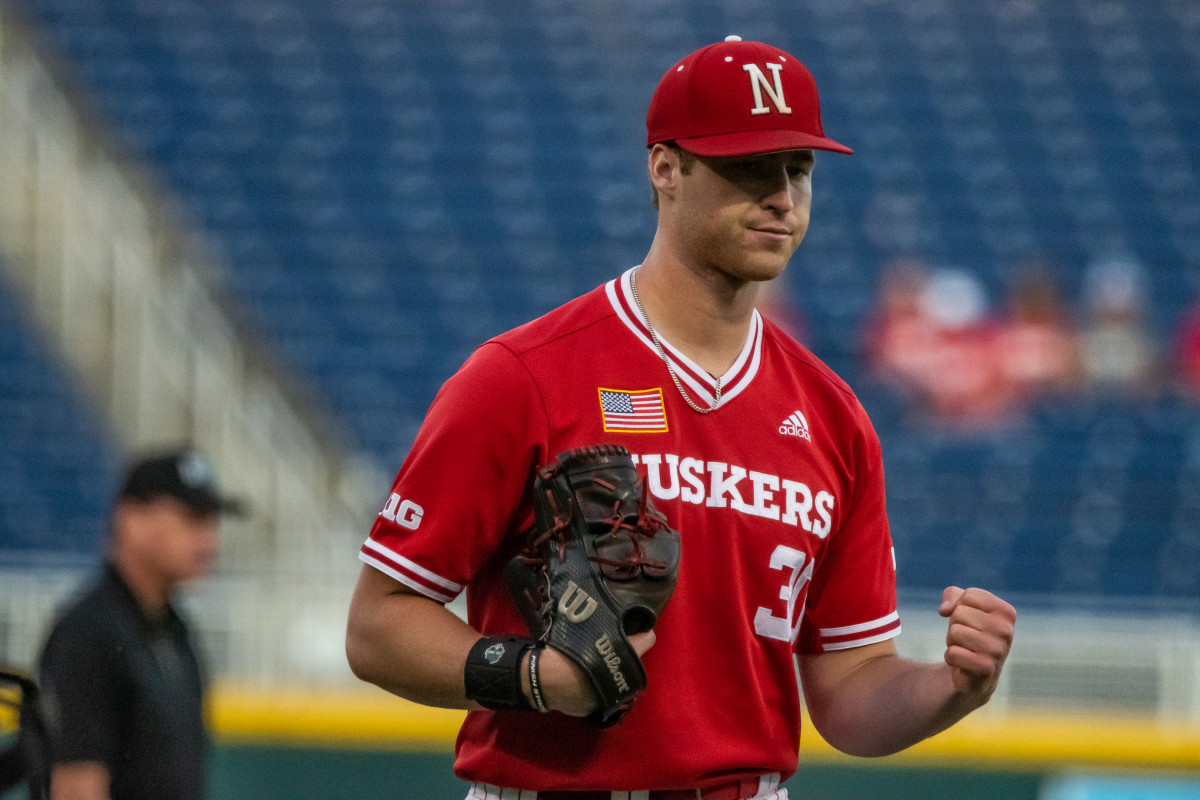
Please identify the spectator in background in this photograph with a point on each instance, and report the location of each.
(1038, 345)
(122, 684)
(932, 338)
(1118, 354)
(1187, 352)
(966, 387)
(900, 335)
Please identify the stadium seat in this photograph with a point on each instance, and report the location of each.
(57, 468)
(393, 181)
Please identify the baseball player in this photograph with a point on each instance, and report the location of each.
(760, 458)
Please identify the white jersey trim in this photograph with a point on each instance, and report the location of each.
(743, 370)
(880, 637)
(408, 572)
(862, 626)
(863, 633)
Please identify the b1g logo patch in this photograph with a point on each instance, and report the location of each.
(404, 513)
(628, 411)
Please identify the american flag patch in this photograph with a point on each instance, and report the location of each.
(633, 412)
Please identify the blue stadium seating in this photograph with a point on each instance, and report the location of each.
(57, 470)
(392, 181)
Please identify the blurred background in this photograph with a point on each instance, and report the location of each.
(273, 228)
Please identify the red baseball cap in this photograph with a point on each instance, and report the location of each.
(737, 98)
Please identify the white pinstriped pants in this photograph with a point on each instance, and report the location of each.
(768, 789)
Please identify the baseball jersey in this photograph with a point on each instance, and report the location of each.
(778, 497)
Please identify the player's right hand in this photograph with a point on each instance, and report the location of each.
(566, 688)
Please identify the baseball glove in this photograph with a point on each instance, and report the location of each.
(600, 565)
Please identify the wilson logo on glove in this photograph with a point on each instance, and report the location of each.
(605, 648)
(600, 565)
(576, 604)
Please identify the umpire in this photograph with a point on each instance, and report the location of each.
(122, 684)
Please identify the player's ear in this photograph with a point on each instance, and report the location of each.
(663, 167)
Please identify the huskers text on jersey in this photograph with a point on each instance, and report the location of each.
(720, 485)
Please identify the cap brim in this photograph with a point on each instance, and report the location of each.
(754, 142)
(212, 504)
(233, 507)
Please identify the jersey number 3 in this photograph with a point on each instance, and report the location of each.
(787, 627)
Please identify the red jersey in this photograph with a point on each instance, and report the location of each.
(778, 496)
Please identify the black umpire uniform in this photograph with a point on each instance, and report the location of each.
(125, 688)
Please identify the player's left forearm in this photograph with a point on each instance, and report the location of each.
(884, 703)
(868, 701)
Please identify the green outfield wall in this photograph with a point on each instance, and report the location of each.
(265, 772)
(364, 744)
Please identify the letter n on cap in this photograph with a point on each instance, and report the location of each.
(758, 82)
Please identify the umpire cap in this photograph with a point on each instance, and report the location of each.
(184, 474)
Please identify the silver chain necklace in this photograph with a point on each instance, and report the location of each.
(663, 355)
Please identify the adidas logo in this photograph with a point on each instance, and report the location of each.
(796, 425)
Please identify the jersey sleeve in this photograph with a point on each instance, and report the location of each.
(81, 695)
(852, 599)
(459, 493)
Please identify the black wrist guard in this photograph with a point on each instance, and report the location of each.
(493, 673)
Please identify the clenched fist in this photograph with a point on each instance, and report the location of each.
(978, 638)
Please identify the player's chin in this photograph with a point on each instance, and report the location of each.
(766, 266)
(766, 259)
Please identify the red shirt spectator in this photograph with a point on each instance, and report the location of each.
(1038, 344)
(931, 336)
(900, 336)
(966, 387)
(1187, 352)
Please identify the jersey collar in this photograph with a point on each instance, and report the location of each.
(700, 385)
